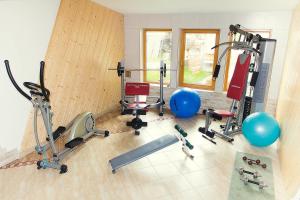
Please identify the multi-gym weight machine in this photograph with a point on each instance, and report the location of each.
(249, 84)
(80, 128)
(134, 95)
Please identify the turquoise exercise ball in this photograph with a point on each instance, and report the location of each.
(185, 103)
(261, 129)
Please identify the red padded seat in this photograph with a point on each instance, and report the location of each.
(224, 113)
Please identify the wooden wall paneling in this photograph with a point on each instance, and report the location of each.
(87, 39)
(108, 84)
(99, 54)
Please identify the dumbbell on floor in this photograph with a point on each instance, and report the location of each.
(242, 171)
(261, 185)
(254, 162)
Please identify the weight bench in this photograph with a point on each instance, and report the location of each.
(153, 147)
(138, 106)
(134, 95)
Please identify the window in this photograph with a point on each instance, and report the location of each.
(157, 46)
(232, 56)
(197, 59)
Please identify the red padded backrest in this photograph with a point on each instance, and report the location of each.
(238, 81)
(132, 88)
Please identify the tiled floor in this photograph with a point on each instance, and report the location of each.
(167, 174)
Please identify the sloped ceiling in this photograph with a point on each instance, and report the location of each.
(194, 6)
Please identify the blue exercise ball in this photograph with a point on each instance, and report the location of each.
(185, 103)
(261, 129)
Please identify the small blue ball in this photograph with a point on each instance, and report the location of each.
(261, 129)
(185, 103)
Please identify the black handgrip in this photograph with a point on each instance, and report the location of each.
(46, 94)
(165, 70)
(6, 62)
(216, 71)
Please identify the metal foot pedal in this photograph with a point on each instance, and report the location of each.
(56, 134)
(142, 151)
(74, 143)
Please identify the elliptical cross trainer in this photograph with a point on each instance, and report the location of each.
(81, 127)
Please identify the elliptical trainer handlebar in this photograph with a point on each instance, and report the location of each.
(35, 89)
(46, 93)
(6, 62)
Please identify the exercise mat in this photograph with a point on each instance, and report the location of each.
(240, 191)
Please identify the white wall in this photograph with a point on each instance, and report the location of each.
(278, 22)
(25, 30)
(297, 196)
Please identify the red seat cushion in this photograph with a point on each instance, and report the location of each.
(224, 113)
